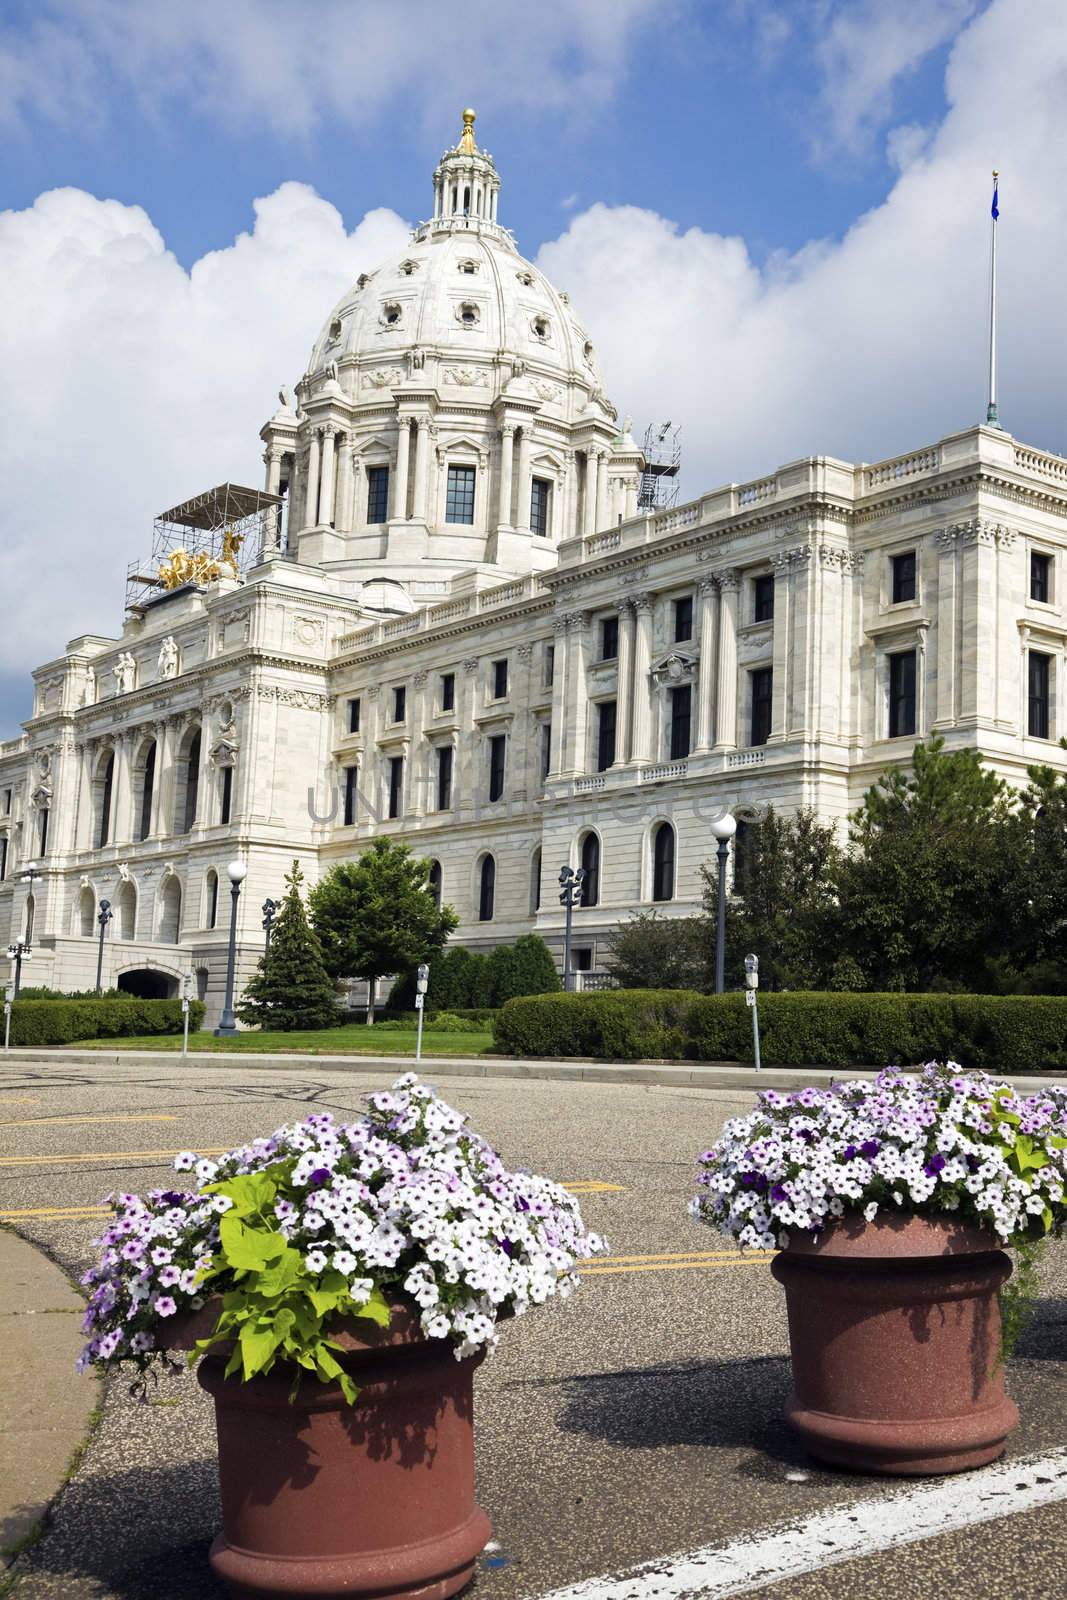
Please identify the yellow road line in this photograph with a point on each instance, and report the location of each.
(70, 1122)
(55, 1211)
(680, 1255)
(101, 1155)
(673, 1266)
(591, 1186)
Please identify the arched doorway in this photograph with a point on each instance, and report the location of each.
(145, 983)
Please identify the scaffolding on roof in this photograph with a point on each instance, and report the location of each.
(663, 458)
(233, 528)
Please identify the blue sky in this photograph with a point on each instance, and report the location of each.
(773, 218)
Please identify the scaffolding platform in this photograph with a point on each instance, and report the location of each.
(663, 459)
(217, 534)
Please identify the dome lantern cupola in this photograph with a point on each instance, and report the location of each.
(466, 183)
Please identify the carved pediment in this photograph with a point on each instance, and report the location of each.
(224, 753)
(675, 668)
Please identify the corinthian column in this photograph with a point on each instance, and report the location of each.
(577, 691)
(121, 817)
(624, 697)
(343, 516)
(329, 449)
(400, 477)
(422, 467)
(507, 457)
(603, 506)
(311, 491)
(706, 674)
(642, 697)
(522, 509)
(589, 508)
(729, 582)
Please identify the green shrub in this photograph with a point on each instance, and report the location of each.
(449, 1022)
(463, 980)
(611, 1024)
(47, 1022)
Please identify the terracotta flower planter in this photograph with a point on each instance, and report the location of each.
(320, 1498)
(894, 1330)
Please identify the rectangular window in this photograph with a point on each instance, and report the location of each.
(546, 749)
(377, 494)
(762, 680)
(763, 598)
(3, 857)
(1040, 572)
(605, 734)
(500, 679)
(7, 802)
(582, 958)
(396, 784)
(448, 691)
(681, 716)
(904, 578)
(1039, 676)
(550, 664)
(444, 777)
(42, 831)
(540, 500)
(353, 716)
(459, 498)
(226, 795)
(902, 694)
(609, 638)
(400, 704)
(683, 618)
(497, 754)
(351, 787)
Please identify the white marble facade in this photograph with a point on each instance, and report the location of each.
(463, 618)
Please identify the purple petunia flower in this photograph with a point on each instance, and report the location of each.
(935, 1165)
(870, 1148)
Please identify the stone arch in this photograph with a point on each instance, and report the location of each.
(589, 858)
(486, 885)
(663, 859)
(149, 983)
(103, 791)
(87, 912)
(211, 899)
(536, 859)
(187, 777)
(126, 910)
(145, 778)
(169, 910)
(29, 918)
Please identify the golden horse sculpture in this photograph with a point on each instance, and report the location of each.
(180, 567)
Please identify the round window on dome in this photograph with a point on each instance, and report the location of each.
(468, 314)
(587, 350)
(391, 314)
(335, 330)
(541, 329)
(525, 277)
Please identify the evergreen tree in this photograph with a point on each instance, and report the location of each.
(1034, 907)
(783, 903)
(534, 971)
(650, 951)
(291, 989)
(376, 916)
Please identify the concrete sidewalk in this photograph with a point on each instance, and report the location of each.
(667, 1074)
(44, 1406)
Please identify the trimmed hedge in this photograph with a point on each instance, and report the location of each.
(37, 1022)
(1006, 1033)
(611, 1024)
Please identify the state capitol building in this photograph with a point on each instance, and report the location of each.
(459, 612)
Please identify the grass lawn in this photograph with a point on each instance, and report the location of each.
(354, 1041)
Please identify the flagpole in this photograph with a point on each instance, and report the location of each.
(991, 410)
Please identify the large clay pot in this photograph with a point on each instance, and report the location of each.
(320, 1498)
(895, 1335)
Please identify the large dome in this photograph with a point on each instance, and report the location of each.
(452, 419)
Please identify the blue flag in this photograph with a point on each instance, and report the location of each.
(996, 202)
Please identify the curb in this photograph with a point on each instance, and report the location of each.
(672, 1075)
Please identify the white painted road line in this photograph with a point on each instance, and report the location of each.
(864, 1528)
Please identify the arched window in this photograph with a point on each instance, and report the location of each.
(86, 913)
(31, 911)
(486, 889)
(148, 783)
(663, 862)
(535, 881)
(126, 910)
(433, 883)
(192, 782)
(591, 864)
(212, 899)
(170, 912)
(104, 785)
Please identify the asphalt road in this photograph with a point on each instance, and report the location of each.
(640, 1419)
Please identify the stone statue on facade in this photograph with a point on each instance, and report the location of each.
(168, 658)
(125, 673)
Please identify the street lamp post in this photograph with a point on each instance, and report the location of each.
(570, 883)
(228, 1022)
(723, 828)
(270, 911)
(18, 952)
(103, 917)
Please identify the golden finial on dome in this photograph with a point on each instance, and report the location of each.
(466, 144)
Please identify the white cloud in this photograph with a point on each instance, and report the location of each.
(869, 345)
(269, 63)
(131, 383)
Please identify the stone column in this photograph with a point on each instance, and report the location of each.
(272, 458)
(400, 475)
(729, 582)
(624, 698)
(603, 506)
(311, 490)
(329, 450)
(163, 787)
(120, 831)
(507, 456)
(420, 752)
(559, 699)
(577, 692)
(83, 837)
(708, 599)
(522, 508)
(589, 508)
(481, 493)
(422, 467)
(570, 499)
(203, 816)
(559, 500)
(343, 514)
(358, 515)
(642, 689)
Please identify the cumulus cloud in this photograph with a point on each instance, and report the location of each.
(273, 64)
(131, 383)
(875, 343)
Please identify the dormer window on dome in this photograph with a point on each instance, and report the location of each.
(469, 266)
(526, 278)
(408, 268)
